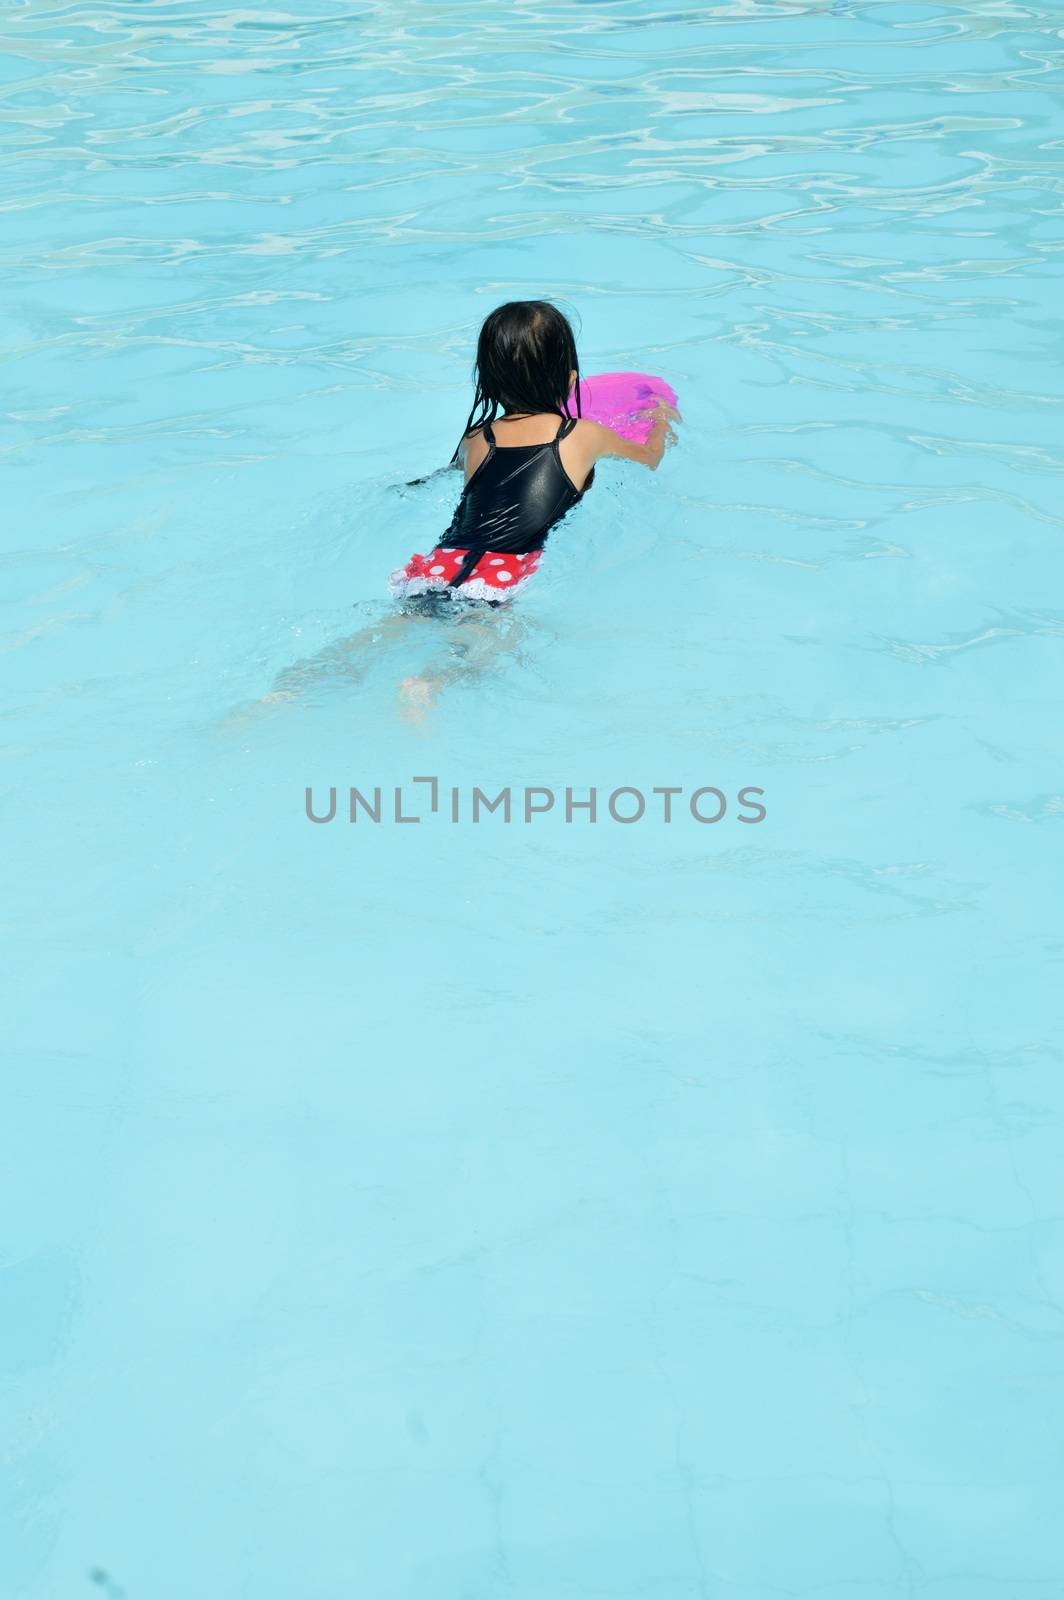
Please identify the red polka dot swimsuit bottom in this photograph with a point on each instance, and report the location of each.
(494, 578)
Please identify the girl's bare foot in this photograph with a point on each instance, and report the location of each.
(416, 695)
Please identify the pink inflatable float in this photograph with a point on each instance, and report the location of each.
(620, 400)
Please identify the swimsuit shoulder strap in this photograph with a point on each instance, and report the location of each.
(565, 428)
(489, 433)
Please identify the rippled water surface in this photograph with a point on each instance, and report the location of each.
(548, 1211)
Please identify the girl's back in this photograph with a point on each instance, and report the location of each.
(516, 491)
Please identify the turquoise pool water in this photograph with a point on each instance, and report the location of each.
(558, 1210)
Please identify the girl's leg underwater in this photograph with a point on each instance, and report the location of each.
(348, 658)
(478, 641)
(476, 637)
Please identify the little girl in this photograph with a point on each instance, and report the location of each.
(524, 469)
(527, 461)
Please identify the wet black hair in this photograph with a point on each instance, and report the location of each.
(525, 353)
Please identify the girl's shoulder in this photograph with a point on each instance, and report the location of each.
(593, 436)
(473, 443)
(472, 450)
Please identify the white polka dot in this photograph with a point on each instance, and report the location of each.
(504, 576)
(497, 562)
(437, 568)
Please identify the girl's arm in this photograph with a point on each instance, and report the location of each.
(605, 442)
(458, 463)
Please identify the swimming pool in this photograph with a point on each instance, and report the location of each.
(555, 1209)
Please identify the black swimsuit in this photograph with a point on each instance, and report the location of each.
(508, 506)
(512, 500)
